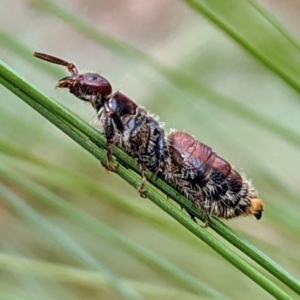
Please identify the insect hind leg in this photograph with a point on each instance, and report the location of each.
(206, 214)
(141, 189)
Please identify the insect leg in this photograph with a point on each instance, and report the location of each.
(207, 220)
(144, 180)
(204, 210)
(110, 139)
(161, 148)
(193, 217)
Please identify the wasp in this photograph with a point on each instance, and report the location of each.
(122, 122)
(208, 180)
(189, 166)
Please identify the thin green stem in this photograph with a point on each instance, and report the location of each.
(54, 112)
(62, 239)
(79, 277)
(15, 46)
(178, 78)
(200, 7)
(106, 233)
(275, 23)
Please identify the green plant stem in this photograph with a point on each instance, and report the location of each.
(86, 278)
(62, 239)
(14, 80)
(14, 45)
(104, 232)
(275, 23)
(38, 101)
(178, 78)
(226, 137)
(200, 7)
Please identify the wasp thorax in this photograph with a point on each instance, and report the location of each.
(121, 105)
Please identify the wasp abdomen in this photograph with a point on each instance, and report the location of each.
(235, 181)
(191, 157)
(222, 167)
(208, 180)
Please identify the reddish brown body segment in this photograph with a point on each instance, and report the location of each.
(208, 180)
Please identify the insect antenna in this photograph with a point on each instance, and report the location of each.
(55, 60)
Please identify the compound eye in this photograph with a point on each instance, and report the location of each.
(91, 77)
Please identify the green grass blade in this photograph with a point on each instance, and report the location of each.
(275, 23)
(222, 15)
(166, 269)
(76, 276)
(93, 135)
(21, 49)
(21, 88)
(65, 242)
(179, 78)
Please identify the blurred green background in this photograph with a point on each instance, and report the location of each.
(244, 103)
